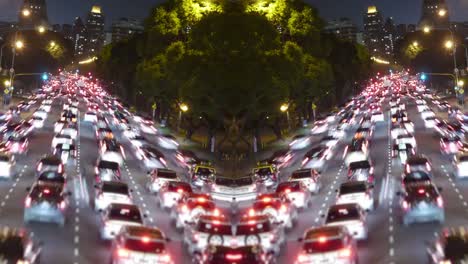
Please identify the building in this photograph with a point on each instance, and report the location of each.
(95, 31)
(33, 13)
(107, 38)
(411, 28)
(374, 32)
(79, 37)
(344, 28)
(57, 28)
(461, 28)
(360, 38)
(389, 37)
(6, 27)
(67, 31)
(400, 31)
(125, 27)
(434, 14)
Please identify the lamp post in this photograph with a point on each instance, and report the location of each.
(285, 108)
(182, 108)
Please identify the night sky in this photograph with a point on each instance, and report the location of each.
(403, 11)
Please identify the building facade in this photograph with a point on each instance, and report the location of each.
(33, 13)
(95, 31)
(79, 37)
(343, 28)
(389, 37)
(124, 28)
(434, 14)
(374, 32)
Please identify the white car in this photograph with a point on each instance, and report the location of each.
(406, 139)
(109, 192)
(359, 192)
(159, 177)
(137, 141)
(429, 122)
(377, 117)
(300, 142)
(409, 126)
(70, 131)
(37, 122)
(46, 107)
(337, 133)
(90, 117)
(319, 127)
(61, 139)
(427, 113)
(117, 216)
(73, 109)
(7, 166)
(421, 105)
(460, 164)
(168, 142)
(309, 177)
(351, 216)
(329, 141)
(58, 126)
(147, 127)
(151, 157)
(40, 113)
(396, 131)
(112, 156)
(317, 158)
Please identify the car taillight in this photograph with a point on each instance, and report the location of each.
(195, 237)
(440, 202)
(163, 161)
(123, 253)
(23, 262)
(371, 171)
(60, 169)
(302, 258)
(407, 168)
(345, 253)
(165, 258)
(27, 202)
(428, 166)
(62, 205)
(39, 166)
(405, 205)
(305, 161)
(184, 208)
(283, 208)
(96, 170)
(233, 257)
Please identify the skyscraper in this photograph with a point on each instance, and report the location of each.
(389, 37)
(434, 14)
(33, 13)
(125, 27)
(374, 31)
(344, 28)
(79, 37)
(95, 31)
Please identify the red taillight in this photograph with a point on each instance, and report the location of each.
(407, 168)
(96, 170)
(233, 257)
(283, 208)
(440, 202)
(322, 239)
(405, 205)
(46, 191)
(184, 208)
(145, 239)
(251, 212)
(302, 258)
(27, 202)
(39, 167)
(180, 190)
(305, 161)
(62, 205)
(165, 258)
(123, 253)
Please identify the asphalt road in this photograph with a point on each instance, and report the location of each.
(78, 241)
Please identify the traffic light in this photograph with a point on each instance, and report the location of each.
(45, 77)
(423, 77)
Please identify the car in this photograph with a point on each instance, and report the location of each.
(319, 127)
(131, 132)
(208, 230)
(377, 116)
(59, 125)
(449, 246)
(397, 130)
(421, 105)
(310, 178)
(427, 113)
(46, 107)
(402, 151)
(455, 128)
(421, 202)
(337, 132)
(300, 142)
(418, 163)
(406, 139)
(49, 163)
(450, 145)
(361, 171)
(70, 130)
(108, 192)
(147, 127)
(317, 158)
(104, 133)
(408, 125)
(46, 202)
(90, 117)
(107, 171)
(460, 164)
(329, 141)
(202, 175)
(168, 142)
(357, 150)
(281, 158)
(399, 117)
(11, 128)
(233, 254)
(40, 113)
(429, 122)
(360, 192)
(68, 116)
(280, 210)
(61, 139)
(173, 191)
(364, 132)
(265, 175)
(349, 215)
(66, 152)
(234, 189)
(17, 144)
(111, 150)
(327, 244)
(37, 121)
(188, 210)
(151, 158)
(137, 141)
(7, 165)
(19, 246)
(159, 177)
(52, 177)
(139, 244)
(74, 110)
(296, 192)
(26, 128)
(118, 215)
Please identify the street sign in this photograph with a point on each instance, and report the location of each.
(153, 106)
(6, 91)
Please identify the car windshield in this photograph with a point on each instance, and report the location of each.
(103, 164)
(301, 174)
(4, 158)
(125, 214)
(51, 176)
(359, 165)
(315, 153)
(142, 245)
(264, 171)
(320, 246)
(416, 176)
(204, 171)
(115, 188)
(353, 188)
(338, 214)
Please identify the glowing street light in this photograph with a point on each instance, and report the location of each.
(426, 29)
(19, 44)
(26, 12)
(415, 44)
(53, 44)
(442, 12)
(183, 107)
(7, 83)
(449, 44)
(284, 107)
(460, 83)
(41, 29)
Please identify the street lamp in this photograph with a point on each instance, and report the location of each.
(460, 83)
(19, 44)
(415, 44)
(442, 12)
(182, 108)
(426, 29)
(285, 108)
(41, 29)
(7, 83)
(26, 12)
(52, 43)
(449, 44)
